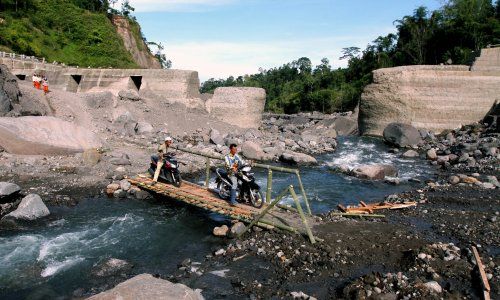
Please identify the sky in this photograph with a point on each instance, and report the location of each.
(220, 38)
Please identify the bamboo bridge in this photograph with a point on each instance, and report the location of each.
(272, 215)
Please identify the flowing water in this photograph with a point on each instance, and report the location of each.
(56, 256)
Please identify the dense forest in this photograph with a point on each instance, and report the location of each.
(453, 34)
(75, 32)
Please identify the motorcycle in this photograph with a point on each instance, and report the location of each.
(248, 190)
(169, 172)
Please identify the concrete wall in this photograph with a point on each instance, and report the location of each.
(240, 106)
(174, 85)
(430, 97)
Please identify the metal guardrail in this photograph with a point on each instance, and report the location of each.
(269, 169)
(22, 57)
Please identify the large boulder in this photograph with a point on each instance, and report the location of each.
(44, 136)
(252, 150)
(30, 208)
(216, 137)
(146, 287)
(240, 106)
(9, 90)
(401, 135)
(129, 95)
(125, 123)
(342, 125)
(298, 158)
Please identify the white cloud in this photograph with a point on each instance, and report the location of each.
(173, 5)
(221, 59)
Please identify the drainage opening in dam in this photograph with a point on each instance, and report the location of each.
(74, 83)
(21, 76)
(135, 82)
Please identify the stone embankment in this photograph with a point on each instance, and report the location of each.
(431, 97)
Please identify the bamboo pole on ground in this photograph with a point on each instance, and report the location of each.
(482, 274)
(357, 215)
(301, 213)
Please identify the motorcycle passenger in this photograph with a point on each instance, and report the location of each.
(233, 161)
(163, 150)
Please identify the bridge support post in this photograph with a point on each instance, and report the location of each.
(264, 212)
(302, 216)
(269, 185)
(207, 171)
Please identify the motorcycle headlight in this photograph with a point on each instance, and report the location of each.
(246, 169)
(173, 166)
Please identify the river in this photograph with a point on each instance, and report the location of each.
(55, 256)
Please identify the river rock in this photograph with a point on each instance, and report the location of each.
(120, 159)
(111, 188)
(124, 123)
(297, 158)
(433, 287)
(111, 267)
(9, 90)
(410, 154)
(129, 95)
(493, 180)
(390, 170)
(146, 287)
(30, 208)
(401, 135)
(44, 136)
(371, 172)
(91, 157)
(252, 150)
(7, 189)
(125, 184)
(143, 128)
(119, 193)
(216, 137)
(221, 231)
(431, 154)
(142, 195)
(237, 229)
(454, 179)
(344, 125)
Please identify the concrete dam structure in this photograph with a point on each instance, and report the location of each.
(431, 97)
(171, 86)
(176, 85)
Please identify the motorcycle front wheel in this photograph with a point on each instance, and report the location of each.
(256, 198)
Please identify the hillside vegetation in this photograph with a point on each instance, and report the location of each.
(74, 32)
(453, 34)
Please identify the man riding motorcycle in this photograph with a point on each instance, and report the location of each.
(162, 151)
(232, 161)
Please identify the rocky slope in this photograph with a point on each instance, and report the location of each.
(131, 36)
